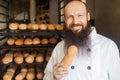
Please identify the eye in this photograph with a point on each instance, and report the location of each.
(70, 16)
(79, 15)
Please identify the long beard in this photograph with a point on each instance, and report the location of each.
(80, 39)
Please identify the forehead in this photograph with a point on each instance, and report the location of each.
(75, 6)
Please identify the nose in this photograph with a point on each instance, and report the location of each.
(75, 20)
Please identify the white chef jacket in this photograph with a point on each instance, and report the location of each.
(102, 63)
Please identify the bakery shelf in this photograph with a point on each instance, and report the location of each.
(5, 46)
(28, 32)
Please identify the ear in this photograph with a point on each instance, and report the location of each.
(88, 16)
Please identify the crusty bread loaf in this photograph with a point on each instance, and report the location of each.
(29, 59)
(30, 75)
(59, 27)
(35, 27)
(40, 75)
(70, 55)
(44, 41)
(36, 41)
(43, 26)
(10, 41)
(19, 58)
(51, 27)
(22, 26)
(7, 58)
(9, 73)
(39, 58)
(13, 26)
(28, 41)
(29, 26)
(19, 42)
(52, 40)
(47, 57)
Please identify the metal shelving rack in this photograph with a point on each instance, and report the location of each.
(61, 5)
(4, 19)
(5, 33)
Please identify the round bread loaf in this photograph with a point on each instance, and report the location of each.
(52, 40)
(29, 59)
(51, 27)
(10, 41)
(19, 59)
(19, 42)
(36, 41)
(43, 27)
(22, 27)
(40, 75)
(35, 27)
(30, 76)
(47, 58)
(29, 27)
(58, 27)
(7, 59)
(13, 26)
(44, 41)
(39, 58)
(28, 41)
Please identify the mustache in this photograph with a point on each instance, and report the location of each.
(75, 25)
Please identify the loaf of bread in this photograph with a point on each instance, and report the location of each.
(30, 75)
(47, 57)
(59, 27)
(29, 59)
(21, 75)
(28, 41)
(10, 41)
(29, 26)
(7, 58)
(44, 41)
(35, 27)
(36, 41)
(70, 55)
(13, 26)
(52, 40)
(39, 58)
(43, 26)
(19, 58)
(19, 42)
(22, 26)
(9, 73)
(39, 75)
(51, 27)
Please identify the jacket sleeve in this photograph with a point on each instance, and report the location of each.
(48, 75)
(49, 68)
(114, 61)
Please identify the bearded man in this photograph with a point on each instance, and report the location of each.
(97, 57)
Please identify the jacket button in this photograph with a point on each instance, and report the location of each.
(89, 67)
(72, 67)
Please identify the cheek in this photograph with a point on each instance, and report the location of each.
(68, 22)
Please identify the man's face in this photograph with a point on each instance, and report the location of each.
(76, 17)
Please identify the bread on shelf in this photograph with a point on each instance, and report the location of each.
(43, 26)
(22, 26)
(28, 41)
(36, 41)
(11, 41)
(52, 40)
(51, 27)
(13, 26)
(44, 41)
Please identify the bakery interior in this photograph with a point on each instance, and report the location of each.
(30, 29)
